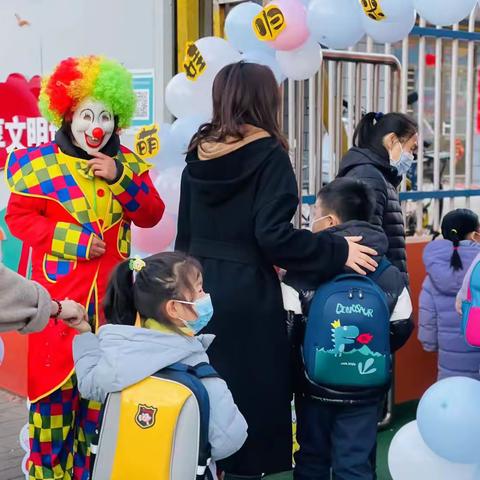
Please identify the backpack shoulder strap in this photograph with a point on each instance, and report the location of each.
(382, 266)
(177, 367)
(203, 370)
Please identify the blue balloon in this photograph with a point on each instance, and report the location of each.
(449, 420)
(239, 29)
(335, 24)
(2, 350)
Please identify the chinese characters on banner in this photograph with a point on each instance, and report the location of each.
(36, 129)
(21, 125)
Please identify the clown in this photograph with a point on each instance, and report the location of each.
(72, 202)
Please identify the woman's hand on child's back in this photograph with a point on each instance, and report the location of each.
(360, 257)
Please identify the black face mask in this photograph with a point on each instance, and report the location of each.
(63, 139)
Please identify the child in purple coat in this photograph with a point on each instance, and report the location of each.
(446, 262)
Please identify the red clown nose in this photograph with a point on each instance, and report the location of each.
(97, 133)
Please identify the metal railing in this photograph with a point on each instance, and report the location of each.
(321, 114)
(317, 107)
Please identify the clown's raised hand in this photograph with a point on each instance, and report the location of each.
(103, 166)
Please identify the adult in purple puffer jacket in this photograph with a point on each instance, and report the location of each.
(446, 262)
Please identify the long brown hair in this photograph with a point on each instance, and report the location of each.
(243, 93)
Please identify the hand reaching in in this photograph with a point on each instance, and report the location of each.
(75, 316)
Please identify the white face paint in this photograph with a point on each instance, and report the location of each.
(92, 125)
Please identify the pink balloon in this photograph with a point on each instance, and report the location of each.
(296, 32)
(156, 239)
(168, 186)
(153, 174)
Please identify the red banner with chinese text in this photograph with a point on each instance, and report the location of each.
(21, 125)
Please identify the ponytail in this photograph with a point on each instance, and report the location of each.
(374, 126)
(455, 261)
(362, 137)
(119, 304)
(457, 225)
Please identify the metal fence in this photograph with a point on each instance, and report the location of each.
(432, 75)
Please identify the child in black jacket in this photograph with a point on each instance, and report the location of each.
(337, 430)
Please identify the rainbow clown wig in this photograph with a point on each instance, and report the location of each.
(76, 79)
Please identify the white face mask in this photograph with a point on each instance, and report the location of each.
(92, 125)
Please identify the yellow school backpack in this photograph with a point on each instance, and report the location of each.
(156, 429)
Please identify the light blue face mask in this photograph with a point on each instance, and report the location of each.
(204, 309)
(404, 163)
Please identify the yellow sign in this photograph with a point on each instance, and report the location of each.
(194, 64)
(147, 141)
(373, 9)
(269, 23)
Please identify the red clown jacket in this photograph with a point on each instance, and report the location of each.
(54, 209)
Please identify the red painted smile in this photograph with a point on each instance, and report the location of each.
(93, 142)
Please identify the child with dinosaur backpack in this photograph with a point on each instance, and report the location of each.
(353, 325)
(158, 370)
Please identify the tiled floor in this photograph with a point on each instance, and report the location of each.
(13, 416)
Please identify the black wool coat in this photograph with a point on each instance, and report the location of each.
(376, 171)
(235, 214)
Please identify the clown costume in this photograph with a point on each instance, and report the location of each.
(72, 203)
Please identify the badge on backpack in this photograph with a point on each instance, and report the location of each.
(146, 416)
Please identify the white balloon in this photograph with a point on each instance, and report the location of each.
(185, 97)
(335, 24)
(170, 154)
(390, 31)
(267, 59)
(184, 129)
(24, 438)
(25, 462)
(409, 458)
(302, 63)
(2, 350)
(444, 12)
(217, 53)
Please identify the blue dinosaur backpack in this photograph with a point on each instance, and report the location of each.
(347, 337)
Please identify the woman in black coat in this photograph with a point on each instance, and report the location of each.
(238, 196)
(382, 154)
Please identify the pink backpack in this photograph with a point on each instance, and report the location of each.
(471, 310)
